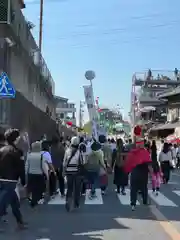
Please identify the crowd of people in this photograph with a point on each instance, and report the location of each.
(50, 167)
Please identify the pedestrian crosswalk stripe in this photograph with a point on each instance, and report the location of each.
(169, 183)
(58, 200)
(177, 192)
(125, 199)
(98, 200)
(43, 239)
(161, 200)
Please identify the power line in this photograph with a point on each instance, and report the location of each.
(116, 31)
(148, 40)
(143, 17)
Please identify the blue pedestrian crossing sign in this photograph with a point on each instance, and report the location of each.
(6, 88)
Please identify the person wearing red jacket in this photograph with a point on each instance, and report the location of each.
(138, 162)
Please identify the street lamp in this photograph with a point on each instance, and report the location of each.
(90, 75)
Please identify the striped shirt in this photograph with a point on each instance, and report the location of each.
(72, 165)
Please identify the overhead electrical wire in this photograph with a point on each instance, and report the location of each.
(143, 17)
(117, 42)
(116, 30)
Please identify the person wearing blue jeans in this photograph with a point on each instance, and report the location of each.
(11, 170)
(93, 177)
(95, 161)
(8, 197)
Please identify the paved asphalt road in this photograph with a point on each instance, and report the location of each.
(106, 218)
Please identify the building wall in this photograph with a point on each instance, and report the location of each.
(34, 121)
(63, 109)
(29, 74)
(173, 114)
(25, 80)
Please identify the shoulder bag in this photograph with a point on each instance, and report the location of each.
(72, 155)
(81, 167)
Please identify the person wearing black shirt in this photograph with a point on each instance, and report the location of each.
(57, 155)
(11, 169)
(118, 160)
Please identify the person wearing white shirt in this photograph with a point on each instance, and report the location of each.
(71, 163)
(113, 145)
(165, 159)
(174, 155)
(36, 167)
(45, 151)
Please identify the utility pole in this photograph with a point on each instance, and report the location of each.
(41, 25)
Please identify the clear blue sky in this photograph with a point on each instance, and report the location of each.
(115, 38)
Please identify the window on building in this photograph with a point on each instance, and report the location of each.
(61, 115)
(4, 10)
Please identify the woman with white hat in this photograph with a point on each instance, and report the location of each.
(73, 159)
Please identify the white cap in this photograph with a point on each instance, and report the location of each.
(75, 141)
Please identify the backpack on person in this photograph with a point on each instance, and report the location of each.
(93, 161)
(107, 153)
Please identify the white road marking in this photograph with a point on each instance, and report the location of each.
(170, 182)
(43, 239)
(98, 200)
(177, 192)
(58, 200)
(125, 199)
(176, 174)
(161, 200)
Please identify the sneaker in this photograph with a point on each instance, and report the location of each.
(92, 196)
(22, 226)
(41, 201)
(133, 208)
(123, 193)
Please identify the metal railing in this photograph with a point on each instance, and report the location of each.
(66, 105)
(156, 75)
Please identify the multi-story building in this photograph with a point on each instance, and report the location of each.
(65, 111)
(172, 126)
(21, 60)
(108, 118)
(146, 88)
